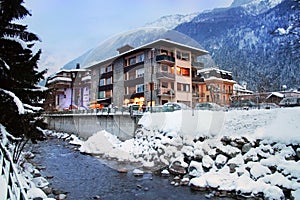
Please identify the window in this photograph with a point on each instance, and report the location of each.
(132, 61)
(178, 70)
(185, 72)
(108, 81)
(102, 82)
(179, 86)
(164, 68)
(108, 93)
(140, 58)
(109, 68)
(178, 54)
(102, 70)
(140, 88)
(140, 73)
(186, 87)
(185, 56)
(101, 94)
(164, 84)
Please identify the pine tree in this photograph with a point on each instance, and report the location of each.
(20, 95)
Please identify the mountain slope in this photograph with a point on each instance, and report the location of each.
(258, 48)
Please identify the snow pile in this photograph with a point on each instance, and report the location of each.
(245, 153)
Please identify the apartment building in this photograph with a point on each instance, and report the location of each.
(158, 72)
(68, 87)
(213, 85)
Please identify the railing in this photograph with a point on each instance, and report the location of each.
(13, 188)
(166, 92)
(165, 75)
(166, 58)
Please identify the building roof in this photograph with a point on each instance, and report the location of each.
(212, 69)
(277, 94)
(154, 44)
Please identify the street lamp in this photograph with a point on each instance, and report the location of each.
(284, 88)
(73, 76)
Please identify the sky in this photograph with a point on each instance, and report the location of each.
(69, 28)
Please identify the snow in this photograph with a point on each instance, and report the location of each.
(194, 141)
(17, 101)
(59, 79)
(168, 138)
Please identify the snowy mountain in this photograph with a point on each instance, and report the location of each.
(134, 38)
(259, 47)
(258, 40)
(171, 21)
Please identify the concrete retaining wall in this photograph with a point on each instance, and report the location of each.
(123, 126)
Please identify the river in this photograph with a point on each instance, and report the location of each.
(88, 177)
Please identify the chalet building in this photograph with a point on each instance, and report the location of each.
(213, 85)
(158, 72)
(68, 87)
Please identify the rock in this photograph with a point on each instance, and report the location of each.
(40, 182)
(138, 172)
(185, 181)
(220, 161)
(176, 168)
(165, 173)
(232, 167)
(97, 197)
(146, 189)
(207, 162)
(34, 193)
(57, 192)
(61, 197)
(122, 170)
(47, 190)
(246, 147)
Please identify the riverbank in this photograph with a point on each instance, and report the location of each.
(250, 154)
(82, 176)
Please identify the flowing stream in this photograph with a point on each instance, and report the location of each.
(88, 177)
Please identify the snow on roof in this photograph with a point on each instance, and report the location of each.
(59, 79)
(220, 79)
(206, 70)
(277, 94)
(151, 45)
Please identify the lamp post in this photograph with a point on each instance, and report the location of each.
(73, 76)
(284, 88)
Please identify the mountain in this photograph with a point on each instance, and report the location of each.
(134, 38)
(171, 21)
(258, 40)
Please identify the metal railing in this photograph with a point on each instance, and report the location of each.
(9, 177)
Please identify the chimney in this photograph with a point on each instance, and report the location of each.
(77, 66)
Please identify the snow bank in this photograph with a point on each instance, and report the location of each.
(249, 153)
(271, 124)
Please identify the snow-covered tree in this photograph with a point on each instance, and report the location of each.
(20, 95)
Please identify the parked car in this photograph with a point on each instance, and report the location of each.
(172, 106)
(290, 102)
(208, 106)
(268, 105)
(243, 104)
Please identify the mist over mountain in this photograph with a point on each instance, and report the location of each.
(260, 47)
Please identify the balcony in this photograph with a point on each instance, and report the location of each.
(165, 59)
(198, 65)
(197, 79)
(165, 92)
(165, 75)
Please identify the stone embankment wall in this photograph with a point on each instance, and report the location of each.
(122, 126)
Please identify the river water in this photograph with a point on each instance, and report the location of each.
(87, 177)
